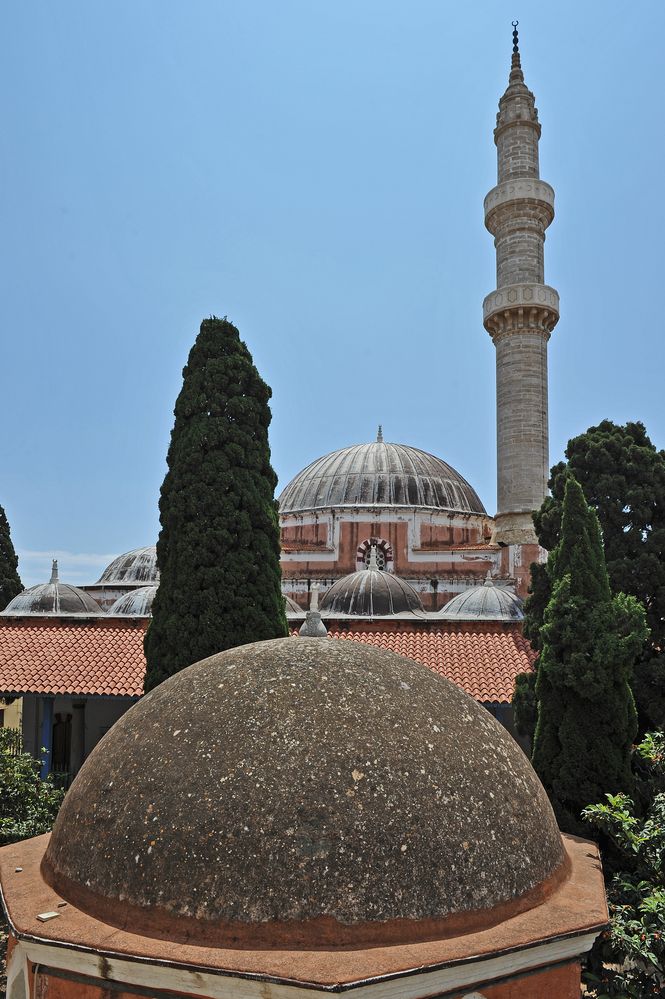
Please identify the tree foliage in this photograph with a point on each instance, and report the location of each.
(218, 548)
(622, 476)
(28, 805)
(628, 961)
(586, 713)
(10, 581)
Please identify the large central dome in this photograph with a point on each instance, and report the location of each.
(379, 474)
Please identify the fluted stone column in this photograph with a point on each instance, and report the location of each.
(521, 313)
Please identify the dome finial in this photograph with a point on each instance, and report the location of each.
(313, 626)
(379, 435)
(54, 571)
(488, 579)
(373, 562)
(516, 42)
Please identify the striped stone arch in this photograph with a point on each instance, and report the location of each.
(384, 554)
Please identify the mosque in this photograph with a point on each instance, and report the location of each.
(395, 542)
(206, 851)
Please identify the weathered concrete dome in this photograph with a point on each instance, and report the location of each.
(53, 597)
(308, 792)
(379, 474)
(484, 603)
(135, 568)
(137, 602)
(370, 593)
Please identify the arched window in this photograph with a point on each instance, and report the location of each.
(384, 554)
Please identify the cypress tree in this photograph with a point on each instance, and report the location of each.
(10, 581)
(586, 713)
(218, 548)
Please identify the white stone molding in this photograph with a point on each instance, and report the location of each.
(521, 307)
(514, 295)
(516, 190)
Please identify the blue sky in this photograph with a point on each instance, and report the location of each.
(316, 172)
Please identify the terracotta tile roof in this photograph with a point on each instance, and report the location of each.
(483, 664)
(58, 657)
(106, 657)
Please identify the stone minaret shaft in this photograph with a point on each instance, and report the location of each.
(521, 313)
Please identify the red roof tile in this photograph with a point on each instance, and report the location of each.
(482, 664)
(106, 657)
(58, 657)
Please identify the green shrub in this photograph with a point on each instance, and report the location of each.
(628, 960)
(28, 805)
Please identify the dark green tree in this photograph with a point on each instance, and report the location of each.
(622, 475)
(10, 581)
(218, 548)
(586, 713)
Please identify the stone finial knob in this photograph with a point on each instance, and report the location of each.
(54, 571)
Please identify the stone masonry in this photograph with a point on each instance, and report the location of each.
(521, 314)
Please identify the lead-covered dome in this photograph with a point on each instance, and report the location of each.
(137, 602)
(370, 593)
(484, 603)
(135, 568)
(308, 792)
(379, 474)
(292, 608)
(53, 597)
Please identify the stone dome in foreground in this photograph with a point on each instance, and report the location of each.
(135, 568)
(379, 474)
(309, 792)
(484, 603)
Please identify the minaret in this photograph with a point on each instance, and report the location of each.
(522, 312)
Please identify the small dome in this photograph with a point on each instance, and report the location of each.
(370, 593)
(137, 602)
(53, 597)
(355, 797)
(135, 568)
(379, 474)
(484, 603)
(292, 607)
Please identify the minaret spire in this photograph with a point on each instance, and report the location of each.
(521, 314)
(516, 62)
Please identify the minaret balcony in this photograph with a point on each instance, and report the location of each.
(521, 307)
(510, 193)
